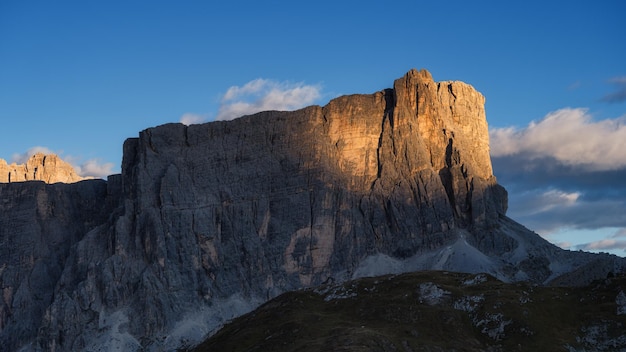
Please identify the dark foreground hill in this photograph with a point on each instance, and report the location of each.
(206, 222)
(433, 311)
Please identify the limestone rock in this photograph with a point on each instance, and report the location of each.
(39, 167)
(39, 225)
(208, 221)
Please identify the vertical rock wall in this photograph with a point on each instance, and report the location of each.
(39, 225)
(208, 221)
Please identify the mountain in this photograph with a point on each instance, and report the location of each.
(39, 167)
(207, 222)
(433, 311)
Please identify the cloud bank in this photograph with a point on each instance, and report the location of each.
(565, 172)
(94, 168)
(263, 94)
(570, 137)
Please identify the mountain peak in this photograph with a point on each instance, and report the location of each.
(49, 168)
(208, 221)
(422, 74)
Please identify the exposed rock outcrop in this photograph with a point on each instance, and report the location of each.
(208, 221)
(39, 167)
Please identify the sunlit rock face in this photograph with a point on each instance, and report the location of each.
(394, 172)
(39, 167)
(208, 221)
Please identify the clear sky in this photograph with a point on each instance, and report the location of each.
(79, 77)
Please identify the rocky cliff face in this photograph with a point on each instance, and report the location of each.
(208, 221)
(39, 225)
(39, 167)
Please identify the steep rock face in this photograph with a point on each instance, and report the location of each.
(38, 227)
(39, 167)
(329, 185)
(208, 221)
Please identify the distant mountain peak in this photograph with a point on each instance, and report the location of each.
(49, 168)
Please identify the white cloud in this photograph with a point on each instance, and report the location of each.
(21, 158)
(541, 201)
(568, 135)
(554, 198)
(251, 87)
(94, 168)
(191, 119)
(262, 95)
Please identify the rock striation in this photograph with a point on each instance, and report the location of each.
(208, 221)
(39, 167)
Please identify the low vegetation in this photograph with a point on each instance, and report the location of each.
(434, 311)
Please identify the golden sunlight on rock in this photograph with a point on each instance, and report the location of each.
(40, 167)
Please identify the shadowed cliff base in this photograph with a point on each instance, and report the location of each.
(208, 221)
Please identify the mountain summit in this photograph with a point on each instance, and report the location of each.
(39, 167)
(206, 222)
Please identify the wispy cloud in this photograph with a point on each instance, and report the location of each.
(605, 244)
(263, 94)
(259, 95)
(191, 118)
(565, 173)
(619, 95)
(548, 212)
(564, 245)
(94, 168)
(574, 85)
(21, 158)
(540, 201)
(569, 136)
(620, 233)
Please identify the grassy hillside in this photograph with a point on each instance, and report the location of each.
(434, 311)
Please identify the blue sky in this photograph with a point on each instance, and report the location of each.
(79, 77)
